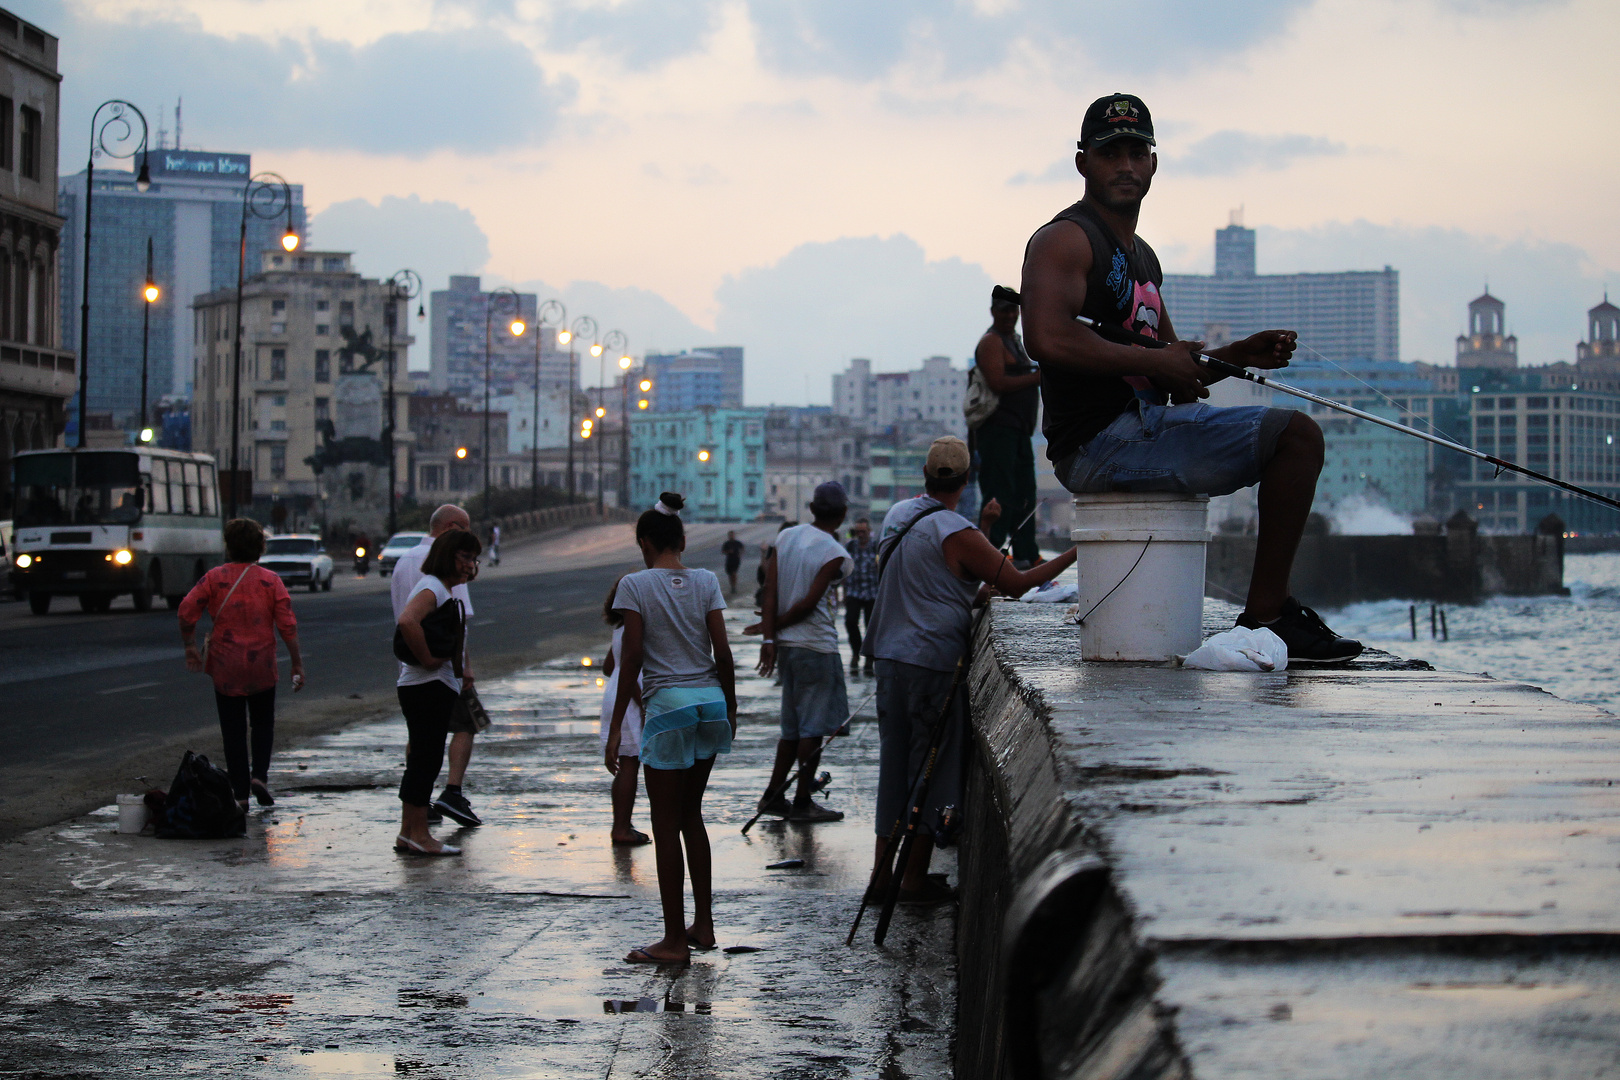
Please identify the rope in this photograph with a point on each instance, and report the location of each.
(1082, 619)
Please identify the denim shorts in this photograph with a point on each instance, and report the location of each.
(814, 701)
(1194, 449)
(684, 725)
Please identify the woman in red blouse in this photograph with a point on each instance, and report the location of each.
(248, 605)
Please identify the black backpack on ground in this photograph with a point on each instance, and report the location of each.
(200, 804)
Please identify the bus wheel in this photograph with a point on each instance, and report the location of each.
(142, 596)
(39, 602)
(174, 600)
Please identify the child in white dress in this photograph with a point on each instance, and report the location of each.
(624, 781)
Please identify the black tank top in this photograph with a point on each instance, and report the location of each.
(1121, 290)
(1019, 408)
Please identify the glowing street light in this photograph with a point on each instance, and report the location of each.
(150, 293)
(586, 423)
(461, 453)
(596, 349)
(600, 412)
(703, 455)
(624, 363)
(564, 337)
(646, 385)
(642, 404)
(518, 326)
(289, 240)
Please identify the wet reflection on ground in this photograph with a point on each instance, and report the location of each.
(308, 948)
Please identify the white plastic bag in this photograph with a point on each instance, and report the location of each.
(1240, 649)
(1052, 593)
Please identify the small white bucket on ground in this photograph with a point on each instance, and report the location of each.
(1144, 552)
(132, 813)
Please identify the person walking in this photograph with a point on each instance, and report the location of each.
(732, 549)
(249, 605)
(860, 590)
(452, 801)
(429, 686)
(675, 649)
(801, 633)
(624, 781)
(935, 567)
(1006, 454)
(495, 544)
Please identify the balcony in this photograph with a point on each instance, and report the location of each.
(34, 370)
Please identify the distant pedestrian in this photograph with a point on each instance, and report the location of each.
(860, 590)
(430, 688)
(625, 780)
(675, 648)
(935, 567)
(801, 633)
(452, 801)
(248, 605)
(495, 544)
(1006, 454)
(732, 549)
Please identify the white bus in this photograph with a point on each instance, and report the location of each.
(100, 523)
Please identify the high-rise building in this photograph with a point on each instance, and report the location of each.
(930, 395)
(38, 378)
(709, 378)
(192, 214)
(459, 318)
(1354, 314)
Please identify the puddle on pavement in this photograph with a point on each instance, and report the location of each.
(653, 1005)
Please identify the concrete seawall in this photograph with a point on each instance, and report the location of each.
(1367, 871)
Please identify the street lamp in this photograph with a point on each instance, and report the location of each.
(150, 293)
(490, 304)
(266, 196)
(550, 313)
(616, 341)
(115, 137)
(584, 326)
(405, 285)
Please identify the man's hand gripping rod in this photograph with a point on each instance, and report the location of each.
(1125, 337)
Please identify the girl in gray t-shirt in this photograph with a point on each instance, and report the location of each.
(675, 644)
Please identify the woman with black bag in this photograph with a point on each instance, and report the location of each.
(430, 643)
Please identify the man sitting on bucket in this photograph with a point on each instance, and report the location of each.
(1120, 417)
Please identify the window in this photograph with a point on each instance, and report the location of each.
(278, 307)
(278, 459)
(322, 329)
(19, 301)
(332, 264)
(323, 409)
(278, 425)
(279, 400)
(432, 478)
(323, 365)
(278, 328)
(278, 369)
(32, 129)
(6, 134)
(346, 313)
(323, 305)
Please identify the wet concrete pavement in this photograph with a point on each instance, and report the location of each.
(309, 948)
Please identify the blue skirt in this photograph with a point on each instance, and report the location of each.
(684, 725)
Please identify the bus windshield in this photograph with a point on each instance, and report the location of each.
(97, 488)
(277, 545)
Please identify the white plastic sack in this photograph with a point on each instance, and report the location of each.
(1240, 649)
(1052, 593)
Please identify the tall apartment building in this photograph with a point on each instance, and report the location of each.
(193, 216)
(38, 378)
(1353, 314)
(458, 319)
(710, 378)
(930, 395)
(715, 457)
(307, 384)
(807, 445)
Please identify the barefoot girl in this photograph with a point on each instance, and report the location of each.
(675, 644)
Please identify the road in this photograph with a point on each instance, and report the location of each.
(92, 701)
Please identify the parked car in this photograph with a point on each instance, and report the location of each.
(298, 559)
(397, 545)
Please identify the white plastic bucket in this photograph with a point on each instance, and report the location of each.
(1156, 610)
(132, 814)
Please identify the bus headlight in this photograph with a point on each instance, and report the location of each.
(123, 556)
(24, 561)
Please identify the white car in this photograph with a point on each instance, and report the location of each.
(397, 545)
(298, 559)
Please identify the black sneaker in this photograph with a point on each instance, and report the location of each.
(777, 807)
(811, 811)
(454, 805)
(434, 817)
(1308, 638)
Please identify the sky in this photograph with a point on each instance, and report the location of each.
(818, 180)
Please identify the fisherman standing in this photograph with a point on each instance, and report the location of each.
(860, 590)
(1119, 417)
(1006, 457)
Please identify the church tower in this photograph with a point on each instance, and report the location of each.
(1597, 362)
(1487, 343)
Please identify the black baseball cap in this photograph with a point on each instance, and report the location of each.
(1116, 116)
(1003, 295)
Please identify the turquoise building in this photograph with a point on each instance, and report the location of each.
(714, 457)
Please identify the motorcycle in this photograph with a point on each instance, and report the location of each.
(362, 562)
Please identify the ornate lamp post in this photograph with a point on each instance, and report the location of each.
(113, 135)
(551, 313)
(584, 326)
(599, 412)
(496, 297)
(404, 286)
(615, 341)
(266, 196)
(150, 293)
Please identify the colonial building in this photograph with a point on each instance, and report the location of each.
(37, 376)
(715, 457)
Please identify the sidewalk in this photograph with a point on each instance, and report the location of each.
(309, 949)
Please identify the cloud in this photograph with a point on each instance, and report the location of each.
(1547, 286)
(472, 90)
(651, 323)
(1059, 171)
(1226, 153)
(641, 33)
(804, 317)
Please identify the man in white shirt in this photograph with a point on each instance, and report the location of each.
(801, 633)
(407, 572)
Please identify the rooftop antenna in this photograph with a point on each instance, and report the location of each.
(161, 141)
(177, 103)
(1236, 217)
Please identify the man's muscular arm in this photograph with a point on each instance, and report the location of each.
(1054, 291)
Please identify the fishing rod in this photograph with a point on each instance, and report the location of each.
(1126, 337)
(781, 789)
